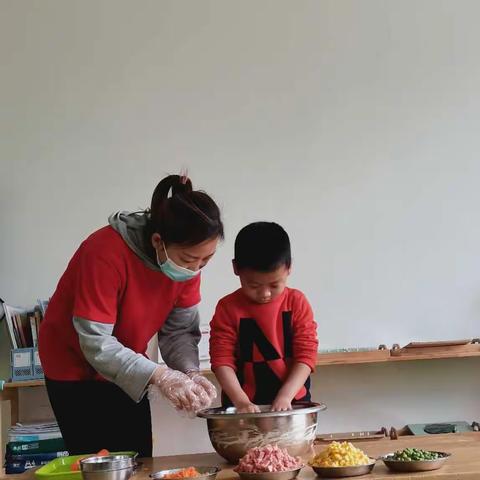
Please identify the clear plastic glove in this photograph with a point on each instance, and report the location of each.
(180, 390)
(203, 382)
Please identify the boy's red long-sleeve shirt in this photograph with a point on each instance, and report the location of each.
(261, 341)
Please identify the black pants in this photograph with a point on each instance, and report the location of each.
(95, 415)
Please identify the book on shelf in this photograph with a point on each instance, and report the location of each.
(42, 304)
(10, 318)
(33, 432)
(19, 463)
(27, 329)
(32, 445)
(23, 324)
(33, 329)
(38, 320)
(16, 332)
(40, 446)
(34, 456)
(20, 320)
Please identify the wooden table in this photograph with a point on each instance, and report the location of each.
(463, 465)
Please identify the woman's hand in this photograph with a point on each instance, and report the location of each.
(206, 385)
(180, 390)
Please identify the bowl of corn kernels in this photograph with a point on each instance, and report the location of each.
(341, 459)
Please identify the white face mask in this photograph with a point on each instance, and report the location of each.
(173, 271)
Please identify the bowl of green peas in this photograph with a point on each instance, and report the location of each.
(414, 460)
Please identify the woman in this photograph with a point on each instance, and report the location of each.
(135, 278)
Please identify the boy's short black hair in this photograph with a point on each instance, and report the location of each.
(263, 247)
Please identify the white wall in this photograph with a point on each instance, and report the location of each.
(354, 124)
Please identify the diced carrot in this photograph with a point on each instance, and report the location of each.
(190, 472)
(75, 466)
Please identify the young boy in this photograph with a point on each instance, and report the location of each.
(263, 337)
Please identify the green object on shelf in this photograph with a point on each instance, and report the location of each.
(433, 428)
(61, 468)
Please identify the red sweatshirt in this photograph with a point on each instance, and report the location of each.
(260, 341)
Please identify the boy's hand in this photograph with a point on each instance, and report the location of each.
(247, 407)
(296, 378)
(281, 404)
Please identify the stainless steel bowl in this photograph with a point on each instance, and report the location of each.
(233, 434)
(342, 472)
(206, 473)
(287, 475)
(415, 466)
(109, 467)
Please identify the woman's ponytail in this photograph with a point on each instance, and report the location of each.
(182, 215)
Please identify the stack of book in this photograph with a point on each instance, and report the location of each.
(33, 445)
(23, 324)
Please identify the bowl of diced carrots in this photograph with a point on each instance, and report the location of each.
(199, 473)
(108, 467)
(75, 466)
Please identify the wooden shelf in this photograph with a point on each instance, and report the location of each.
(383, 356)
(352, 358)
(342, 358)
(437, 356)
(24, 383)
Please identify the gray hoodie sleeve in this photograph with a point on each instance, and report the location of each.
(129, 370)
(179, 338)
